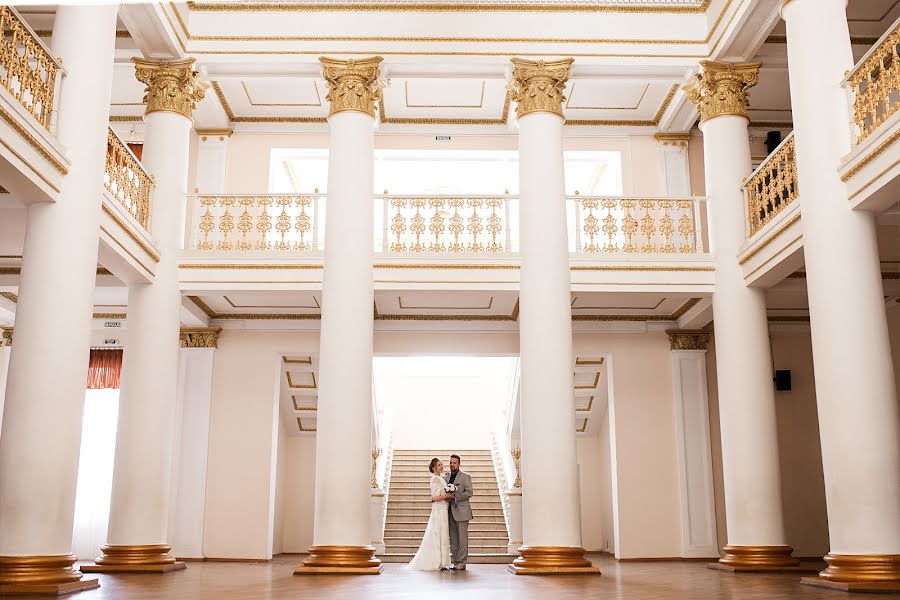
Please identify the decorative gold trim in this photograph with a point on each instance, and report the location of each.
(579, 362)
(297, 361)
(223, 132)
(504, 117)
(10, 296)
(720, 88)
(537, 86)
(252, 103)
(638, 268)
(687, 339)
(552, 560)
(674, 140)
(301, 386)
(586, 409)
(353, 85)
(408, 105)
(113, 316)
(772, 124)
(141, 244)
(583, 428)
(400, 304)
(299, 408)
(453, 266)
(53, 574)
(302, 428)
(35, 144)
(171, 86)
(126, 118)
(862, 164)
(629, 123)
(115, 239)
(134, 558)
(860, 40)
(359, 560)
(771, 238)
(592, 386)
(7, 340)
(699, 8)
(199, 337)
(516, 453)
(635, 107)
(217, 266)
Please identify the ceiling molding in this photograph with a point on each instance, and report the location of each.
(633, 6)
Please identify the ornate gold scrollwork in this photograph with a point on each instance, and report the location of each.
(720, 88)
(172, 86)
(352, 84)
(538, 86)
(688, 339)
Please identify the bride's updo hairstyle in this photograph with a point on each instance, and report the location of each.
(433, 463)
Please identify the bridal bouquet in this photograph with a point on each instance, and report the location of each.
(451, 487)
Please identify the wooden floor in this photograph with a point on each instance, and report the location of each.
(630, 580)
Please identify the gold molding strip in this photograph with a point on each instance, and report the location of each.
(698, 8)
(300, 425)
(246, 266)
(870, 157)
(301, 386)
(504, 117)
(630, 123)
(588, 407)
(125, 118)
(34, 143)
(296, 361)
(118, 221)
(771, 238)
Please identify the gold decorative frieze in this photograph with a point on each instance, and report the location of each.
(538, 86)
(353, 84)
(773, 186)
(172, 86)
(7, 336)
(875, 85)
(720, 88)
(673, 140)
(199, 337)
(688, 339)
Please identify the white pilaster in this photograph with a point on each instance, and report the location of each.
(675, 164)
(212, 156)
(377, 502)
(695, 479)
(859, 418)
(49, 362)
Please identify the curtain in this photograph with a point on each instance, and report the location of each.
(95, 471)
(105, 369)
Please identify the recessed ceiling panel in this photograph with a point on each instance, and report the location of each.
(281, 92)
(606, 95)
(444, 93)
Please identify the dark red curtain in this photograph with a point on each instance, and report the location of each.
(105, 369)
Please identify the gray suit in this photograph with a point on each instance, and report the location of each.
(459, 517)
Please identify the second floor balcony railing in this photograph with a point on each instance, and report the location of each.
(28, 70)
(472, 225)
(772, 186)
(126, 180)
(874, 85)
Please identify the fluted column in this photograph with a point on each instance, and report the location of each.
(855, 391)
(341, 535)
(45, 389)
(756, 534)
(139, 509)
(551, 512)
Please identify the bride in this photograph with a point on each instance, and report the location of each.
(434, 552)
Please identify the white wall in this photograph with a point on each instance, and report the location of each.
(590, 474)
(604, 501)
(299, 493)
(280, 484)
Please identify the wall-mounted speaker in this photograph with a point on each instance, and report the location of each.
(782, 380)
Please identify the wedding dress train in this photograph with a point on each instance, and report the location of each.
(434, 551)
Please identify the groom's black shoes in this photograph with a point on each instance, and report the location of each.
(459, 567)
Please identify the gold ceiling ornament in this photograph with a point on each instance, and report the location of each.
(172, 86)
(688, 339)
(353, 84)
(720, 88)
(7, 336)
(538, 86)
(674, 140)
(199, 337)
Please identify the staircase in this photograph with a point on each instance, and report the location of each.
(409, 506)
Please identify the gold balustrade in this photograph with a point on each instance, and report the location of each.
(637, 225)
(874, 84)
(126, 180)
(257, 222)
(455, 224)
(772, 186)
(28, 70)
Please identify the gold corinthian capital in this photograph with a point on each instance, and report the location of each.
(352, 84)
(172, 86)
(720, 88)
(538, 86)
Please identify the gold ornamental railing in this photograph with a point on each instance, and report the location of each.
(772, 186)
(28, 70)
(257, 222)
(874, 85)
(126, 180)
(619, 225)
(447, 224)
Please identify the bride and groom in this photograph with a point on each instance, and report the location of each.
(446, 541)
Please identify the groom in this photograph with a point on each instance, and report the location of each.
(460, 514)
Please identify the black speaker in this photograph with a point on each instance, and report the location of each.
(773, 139)
(782, 381)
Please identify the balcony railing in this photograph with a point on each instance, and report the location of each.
(284, 222)
(617, 225)
(441, 224)
(28, 70)
(126, 179)
(874, 85)
(772, 186)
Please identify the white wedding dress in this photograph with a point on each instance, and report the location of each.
(434, 552)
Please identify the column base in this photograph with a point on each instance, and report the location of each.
(340, 560)
(53, 575)
(552, 560)
(759, 559)
(859, 573)
(139, 558)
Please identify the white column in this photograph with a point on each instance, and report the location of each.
(139, 507)
(551, 511)
(675, 164)
(188, 498)
(855, 390)
(341, 537)
(5, 351)
(695, 478)
(756, 535)
(49, 362)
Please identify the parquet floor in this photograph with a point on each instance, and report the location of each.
(620, 581)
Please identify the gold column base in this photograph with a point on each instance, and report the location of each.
(859, 573)
(759, 559)
(552, 560)
(340, 560)
(136, 558)
(53, 575)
